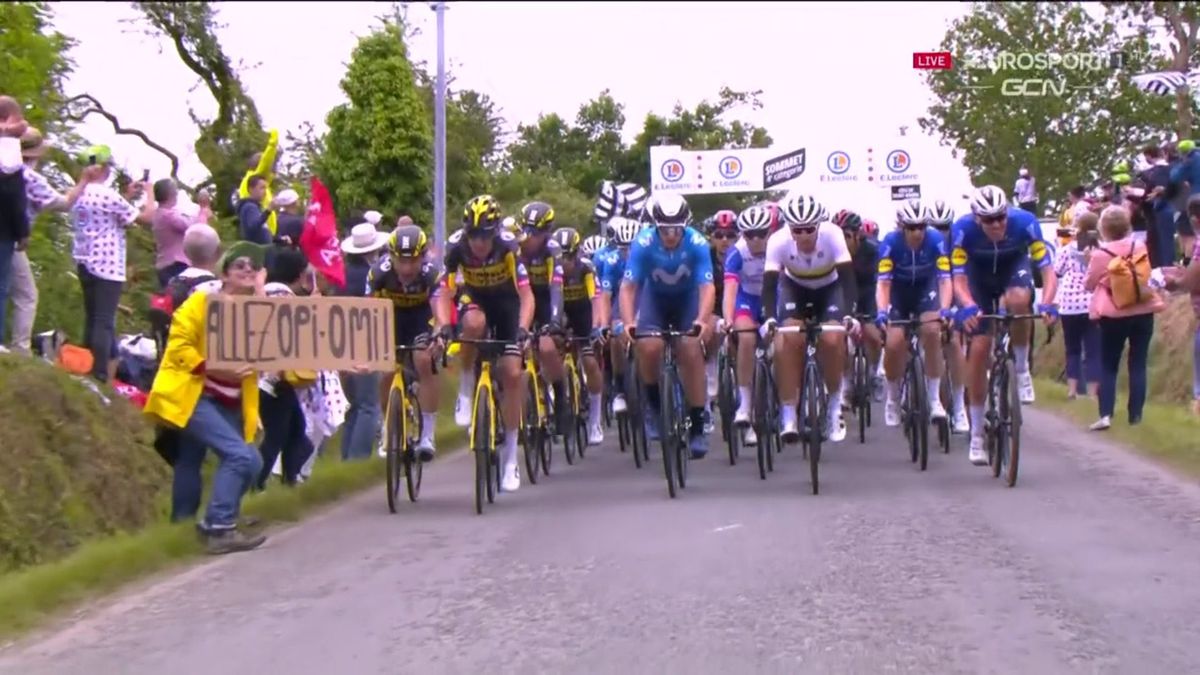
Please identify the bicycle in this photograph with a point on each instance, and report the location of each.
(727, 397)
(914, 408)
(632, 420)
(675, 426)
(860, 382)
(486, 425)
(1002, 420)
(577, 399)
(814, 399)
(402, 430)
(535, 425)
(766, 407)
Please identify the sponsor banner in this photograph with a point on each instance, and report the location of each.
(903, 192)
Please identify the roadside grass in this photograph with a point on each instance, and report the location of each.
(31, 596)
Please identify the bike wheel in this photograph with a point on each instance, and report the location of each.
(481, 442)
(920, 412)
(998, 395)
(668, 435)
(862, 399)
(947, 396)
(813, 419)
(682, 446)
(414, 468)
(546, 448)
(581, 417)
(1011, 415)
(494, 483)
(568, 430)
(762, 417)
(724, 395)
(530, 436)
(393, 447)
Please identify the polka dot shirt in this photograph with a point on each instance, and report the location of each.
(100, 217)
(1071, 270)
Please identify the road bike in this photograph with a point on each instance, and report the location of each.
(632, 423)
(860, 383)
(765, 413)
(535, 423)
(914, 406)
(1002, 420)
(575, 434)
(727, 394)
(675, 424)
(487, 426)
(402, 429)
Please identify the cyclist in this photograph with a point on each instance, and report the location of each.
(406, 278)
(540, 255)
(610, 269)
(864, 258)
(498, 296)
(579, 302)
(593, 245)
(941, 217)
(914, 279)
(671, 266)
(808, 270)
(722, 232)
(992, 249)
(743, 301)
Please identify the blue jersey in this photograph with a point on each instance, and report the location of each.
(679, 270)
(610, 267)
(973, 251)
(900, 263)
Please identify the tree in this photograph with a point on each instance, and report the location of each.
(379, 149)
(1182, 23)
(1064, 139)
(35, 62)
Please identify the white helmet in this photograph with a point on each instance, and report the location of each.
(989, 200)
(754, 219)
(910, 213)
(939, 214)
(623, 230)
(592, 244)
(668, 210)
(801, 209)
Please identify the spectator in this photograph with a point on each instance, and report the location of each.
(1133, 324)
(262, 164)
(214, 409)
(252, 219)
(14, 213)
(282, 418)
(1189, 280)
(290, 218)
(1081, 335)
(362, 249)
(100, 218)
(1025, 190)
(40, 196)
(1074, 198)
(169, 226)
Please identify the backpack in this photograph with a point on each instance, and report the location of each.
(1129, 277)
(163, 305)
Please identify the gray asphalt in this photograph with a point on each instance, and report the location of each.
(1090, 565)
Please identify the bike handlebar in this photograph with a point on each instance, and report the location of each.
(636, 334)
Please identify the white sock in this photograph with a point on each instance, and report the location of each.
(893, 388)
(744, 398)
(428, 425)
(466, 385)
(594, 403)
(959, 392)
(509, 451)
(1021, 356)
(976, 412)
(933, 388)
(787, 413)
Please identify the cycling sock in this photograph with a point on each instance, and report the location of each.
(619, 383)
(959, 404)
(787, 413)
(697, 415)
(594, 404)
(652, 396)
(744, 398)
(893, 390)
(428, 425)
(933, 388)
(976, 420)
(466, 385)
(509, 454)
(1021, 356)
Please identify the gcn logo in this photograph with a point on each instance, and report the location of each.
(898, 161)
(730, 168)
(838, 162)
(672, 171)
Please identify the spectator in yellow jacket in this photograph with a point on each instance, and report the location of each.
(263, 164)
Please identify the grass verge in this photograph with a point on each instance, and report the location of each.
(29, 597)
(1167, 433)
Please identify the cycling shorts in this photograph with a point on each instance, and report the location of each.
(503, 314)
(988, 288)
(866, 303)
(578, 316)
(667, 311)
(541, 307)
(909, 299)
(798, 302)
(749, 306)
(412, 326)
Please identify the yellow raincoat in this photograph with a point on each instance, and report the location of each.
(264, 168)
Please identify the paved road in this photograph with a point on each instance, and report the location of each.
(1091, 565)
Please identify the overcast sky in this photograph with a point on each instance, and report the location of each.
(840, 72)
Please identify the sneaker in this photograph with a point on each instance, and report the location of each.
(789, 431)
(741, 418)
(231, 540)
(510, 477)
(462, 411)
(976, 453)
(1101, 424)
(651, 425)
(749, 437)
(710, 423)
(836, 426)
(595, 434)
(382, 446)
(618, 404)
(1025, 385)
(961, 423)
(891, 413)
(425, 450)
(936, 410)
(698, 444)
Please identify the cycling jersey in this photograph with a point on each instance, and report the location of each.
(500, 273)
(669, 280)
(973, 253)
(578, 289)
(746, 269)
(545, 278)
(718, 264)
(865, 261)
(610, 269)
(902, 264)
(411, 309)
(809, 270)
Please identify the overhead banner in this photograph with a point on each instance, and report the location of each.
(674, 169)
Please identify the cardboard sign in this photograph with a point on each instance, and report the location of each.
(292, 332)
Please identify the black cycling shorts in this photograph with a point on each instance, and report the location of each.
(578, 317)
(413, 326)
(541, 306)
(503, 314)
(798, 302)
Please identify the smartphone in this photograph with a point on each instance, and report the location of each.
(91, 160)
(146, 175)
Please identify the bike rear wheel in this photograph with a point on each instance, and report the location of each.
(568, 428)
(919, 411)
(393, 447)
(667, 432)
(414, 468)
(998, 395)
(1011, 415)
(813, 419)
(727, 404)
(481, 445)
(862, 397)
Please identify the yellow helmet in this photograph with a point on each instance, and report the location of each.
(408, 241)
(481, 213)
(537, 216)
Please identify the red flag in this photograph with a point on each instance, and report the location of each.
(319, 241)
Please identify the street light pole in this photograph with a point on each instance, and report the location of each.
(439, 133)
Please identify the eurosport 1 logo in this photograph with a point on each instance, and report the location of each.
(730, 168)
(672, 171)
(838, 162)
(898, 161)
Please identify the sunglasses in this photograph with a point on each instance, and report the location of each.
(244, 264)
(914, 228)
(480, 234)
(724, 235)
(991, 220)
(756, 234)
(670, 229)
(804, 230)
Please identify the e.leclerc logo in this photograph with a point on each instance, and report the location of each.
(899, 163)
(730, 168)
(837, 163)
(672, 171)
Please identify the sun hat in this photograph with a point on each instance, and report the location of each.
(364, 238)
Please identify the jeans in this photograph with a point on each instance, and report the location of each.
(364, 415)
(187, 484)
(1081, 338)
(1114, 333)
(100, 300)
(7, 250)
(219, 428)
(22, 290)
(283, 432)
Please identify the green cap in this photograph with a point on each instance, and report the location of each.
(244, 249)
(1122, 179)
(1121, 167)
(102, 153)
(1187, 145)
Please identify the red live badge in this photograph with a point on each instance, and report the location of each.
(932, 61)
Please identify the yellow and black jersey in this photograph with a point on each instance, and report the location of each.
(579, 285)
(383, 282)
(543, 266)
(499, 273)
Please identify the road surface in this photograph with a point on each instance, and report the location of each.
(1090, 565)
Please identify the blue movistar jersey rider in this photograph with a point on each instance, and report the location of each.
(991, 268)
(913, 273)
(746, 269)
(669, 280)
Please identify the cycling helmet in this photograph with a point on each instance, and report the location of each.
(724, 219)
(623, 230)
(568, 240)
(910, 213)
(408, 241)
(754, 219)
(989, 200)
(847, 220)
(538, 216)
(592, 244)
(801, 209)
(481, 213)
(869, 228)
(668, 210)
(939, 214)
